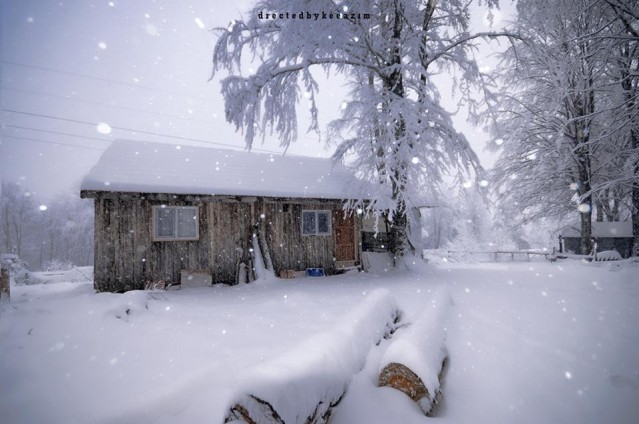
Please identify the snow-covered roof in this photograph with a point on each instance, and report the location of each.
(134, 166)
(601, 229)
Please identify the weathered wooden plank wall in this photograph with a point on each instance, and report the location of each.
(126, 257)
(230, 228)
(289, 248)
(125, 254)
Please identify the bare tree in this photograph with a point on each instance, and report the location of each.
(622, 102)
(550, 124)
(16, 210)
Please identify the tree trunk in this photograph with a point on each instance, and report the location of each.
(635, 196)
(635, 217)
(600, 212)
(586, 233)
(614, 211)
(5, 283)
(398, 237)
(6, 227)
(585, 206)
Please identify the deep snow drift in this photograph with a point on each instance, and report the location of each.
(528, 343)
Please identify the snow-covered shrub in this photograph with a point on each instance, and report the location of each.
(126, 304)
(608, 255)
(57, 265)
(18, 272)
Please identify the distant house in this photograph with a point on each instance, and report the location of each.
(163, 210)
(608, 236)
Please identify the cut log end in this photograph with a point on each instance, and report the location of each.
(402, 378)
(253, 410)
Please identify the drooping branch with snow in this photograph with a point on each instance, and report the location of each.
(393, 126)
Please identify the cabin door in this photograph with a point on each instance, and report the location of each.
(344, 236)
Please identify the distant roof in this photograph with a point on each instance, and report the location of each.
(601, 229)
(134, 166)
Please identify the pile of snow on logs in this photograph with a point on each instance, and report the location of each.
(306, 383)
(415, 361)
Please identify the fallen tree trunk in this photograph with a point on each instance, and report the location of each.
(306, 383)
(415, 361)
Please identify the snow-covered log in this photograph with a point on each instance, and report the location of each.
(261, 271)
(414, 362)
(304, 384)
(266, 251)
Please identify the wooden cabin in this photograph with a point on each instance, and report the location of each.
(164, 211)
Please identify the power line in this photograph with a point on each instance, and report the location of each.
(38, 93)
(51, 142)
(75, 121)
(76, 74)
(177, 137)
(55, 132)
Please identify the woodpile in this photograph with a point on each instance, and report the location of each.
(306, 383)
(287, 273)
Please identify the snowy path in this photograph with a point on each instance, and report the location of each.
(529, 343)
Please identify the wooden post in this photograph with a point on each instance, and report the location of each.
(5, 284)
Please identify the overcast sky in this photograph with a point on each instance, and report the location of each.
(77, 74)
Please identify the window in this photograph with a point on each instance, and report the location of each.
(316, 223)
(175, 223)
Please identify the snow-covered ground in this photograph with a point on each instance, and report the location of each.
(533, 342)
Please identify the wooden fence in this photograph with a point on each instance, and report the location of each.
(501, 255)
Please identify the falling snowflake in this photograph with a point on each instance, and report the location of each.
(104, 128)
(583, 208)
(151, 30)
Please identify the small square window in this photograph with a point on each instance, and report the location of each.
(323, 222)
(309, 221)
(175, 223)
(316, 223)
(165, 222)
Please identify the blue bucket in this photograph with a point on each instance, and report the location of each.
(315, 272)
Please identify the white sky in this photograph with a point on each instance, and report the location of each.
(140, 67)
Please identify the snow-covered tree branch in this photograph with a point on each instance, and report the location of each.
(402, 139)
(567, 126)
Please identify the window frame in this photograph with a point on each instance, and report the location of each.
(316, 212)
(155, 226)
